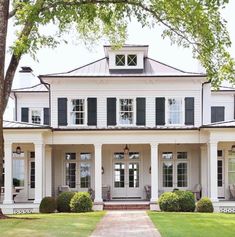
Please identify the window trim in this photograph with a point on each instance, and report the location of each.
(167, 111)
(118, 111)
(69, 112)
(175, 162)
(41, 113)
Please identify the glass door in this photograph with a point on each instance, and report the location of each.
(31, 184)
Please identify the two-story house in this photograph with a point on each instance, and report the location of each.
(125, 122)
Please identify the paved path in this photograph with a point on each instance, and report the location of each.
(126, 224)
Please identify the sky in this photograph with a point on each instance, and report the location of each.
(75, 54)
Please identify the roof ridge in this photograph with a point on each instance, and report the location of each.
(180, 70)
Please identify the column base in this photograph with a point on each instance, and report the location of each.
(154, 206)
(6, 202)
(98, 206)
(37, 201)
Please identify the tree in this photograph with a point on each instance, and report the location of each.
(195, 23)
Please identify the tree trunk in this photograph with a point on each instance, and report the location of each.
(4, 9)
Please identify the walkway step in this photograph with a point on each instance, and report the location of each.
(126, 206)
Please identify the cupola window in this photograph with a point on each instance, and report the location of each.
(120, 60)
(132, 60)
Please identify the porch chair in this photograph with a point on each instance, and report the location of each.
(106, 193)
(63, 188)
(147, 189)
(197, 191)
(232, 190)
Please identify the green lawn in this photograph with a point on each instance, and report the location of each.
(194, 224)
(51, 225)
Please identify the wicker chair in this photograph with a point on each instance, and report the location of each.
(197, 191)
(147, 189)
(63, 188)
(232, 190)
(106, 193)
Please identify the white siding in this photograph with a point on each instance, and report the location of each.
(225, 99)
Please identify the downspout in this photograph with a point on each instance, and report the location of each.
(202, 114)
(16, 106)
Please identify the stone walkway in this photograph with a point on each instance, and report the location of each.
(126, 224)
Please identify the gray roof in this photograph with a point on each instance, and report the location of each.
(36, 88)
(100, 68)
(226, 124)
(16, 124)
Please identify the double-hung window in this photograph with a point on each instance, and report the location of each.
(35, 116)
(78, 112)
(175, 111)
(126, 111)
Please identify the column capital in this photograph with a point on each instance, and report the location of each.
(98, 145)
(154, 145)
(212, 142)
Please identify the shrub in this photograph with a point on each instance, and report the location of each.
(169, 201)
(186, 201)
(47, 205)
(205, 205)
(81, 202)
(63, 201)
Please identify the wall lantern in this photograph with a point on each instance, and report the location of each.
(150, 169)
(126, 149)
(233, 148)
(102, 170)
(18, 150)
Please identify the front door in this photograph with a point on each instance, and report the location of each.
(31, 189)
(126, 176)
(220, 175)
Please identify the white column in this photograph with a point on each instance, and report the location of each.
(154, 172)
(213, 189)
(39, 155)
(48, 173)
(8, 198)
(204, 171)
(98, 173)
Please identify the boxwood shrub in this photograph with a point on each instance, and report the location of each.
(204, 205)
(47, 205)
(81, 202)
(186, 201)
(63, 201)
(169, 202)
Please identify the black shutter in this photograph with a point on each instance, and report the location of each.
(140, 111)
(62, 111)
(160, 111)
(92, 111)
(217, 114)
(46, 116)
(189, 111)
(25, 115)
(111, 111)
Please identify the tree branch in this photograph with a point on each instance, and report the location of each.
(12, 13)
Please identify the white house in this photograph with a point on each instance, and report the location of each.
(125, 122)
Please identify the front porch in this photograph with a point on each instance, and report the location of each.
(43, 166)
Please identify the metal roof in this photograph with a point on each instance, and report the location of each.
(223, 124)
(101, 68)
(36, 88)
(16, 124)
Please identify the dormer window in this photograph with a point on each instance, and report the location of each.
(120, 60)
(132, 60)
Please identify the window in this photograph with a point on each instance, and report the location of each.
(175, 169)
(119, 175)
(78, 112)
(120, 60)
(132, 60)
(85, 170)
(126, 112)
(18, 169)
(36, 116)
(231, 170)
(175, 111)
(133, 175)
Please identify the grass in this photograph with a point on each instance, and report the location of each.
(51, 225)
(194, 224)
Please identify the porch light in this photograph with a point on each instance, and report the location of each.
(233, 148)
(102, 170)
(126, 149)
(18, 150)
